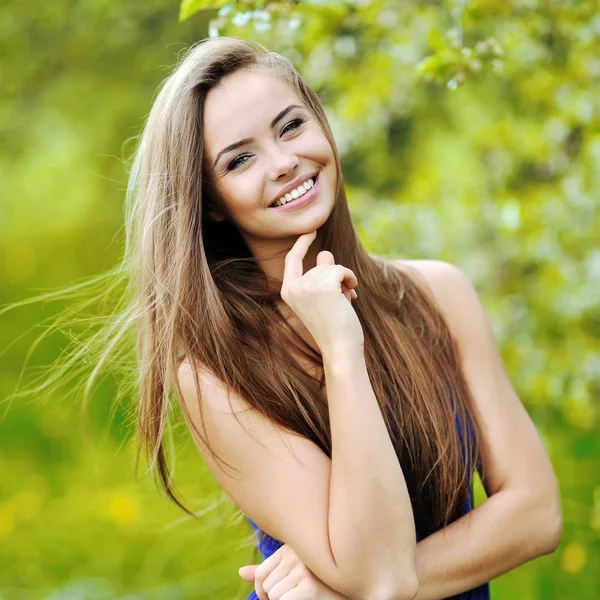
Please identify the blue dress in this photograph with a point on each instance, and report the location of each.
(270, 545)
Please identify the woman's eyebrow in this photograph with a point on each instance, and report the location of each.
(245, 141)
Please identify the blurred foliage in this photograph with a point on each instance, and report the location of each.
(469, 132)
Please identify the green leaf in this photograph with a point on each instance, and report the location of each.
(191, 7)
(436, 40)
(428, 66)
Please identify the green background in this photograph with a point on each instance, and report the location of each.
(481, 152)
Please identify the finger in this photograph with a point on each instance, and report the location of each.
(326, 273)
(347, 292)
(263, 571)
(247, 572)
(260, 592)
(294, 594)
(345, 276)
(262, 595)
(275, 576)
(282, 588)
(293, 259)
(354, 295)
(325, 258)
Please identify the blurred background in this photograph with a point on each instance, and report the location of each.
(469, 132)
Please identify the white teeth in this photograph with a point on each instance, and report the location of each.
(295, 193)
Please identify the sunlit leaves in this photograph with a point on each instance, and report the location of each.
(469, 132)
(191, 7)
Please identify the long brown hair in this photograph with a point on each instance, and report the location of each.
(201, 296)
(193, 291)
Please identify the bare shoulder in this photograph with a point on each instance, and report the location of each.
(191, 375)
(446, 281)
(451, 289)
(276, 477)
(441, 276)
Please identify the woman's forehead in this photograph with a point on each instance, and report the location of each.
(242, 105)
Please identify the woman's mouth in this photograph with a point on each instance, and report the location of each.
(299, 197)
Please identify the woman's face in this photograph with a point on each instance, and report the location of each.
(261, 142)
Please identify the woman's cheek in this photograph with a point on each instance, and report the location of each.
(232, 192)
(247, 196)
(318, 146)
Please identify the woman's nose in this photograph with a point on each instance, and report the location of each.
(282, 163)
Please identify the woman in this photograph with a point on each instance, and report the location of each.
(342, 400)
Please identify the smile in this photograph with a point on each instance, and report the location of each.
(300, 196)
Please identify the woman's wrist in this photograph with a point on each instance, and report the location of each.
(343, 359)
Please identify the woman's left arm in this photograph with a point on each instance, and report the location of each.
(521, 519)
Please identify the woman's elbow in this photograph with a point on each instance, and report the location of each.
(552, 535)
(407, 589)
(548, 532)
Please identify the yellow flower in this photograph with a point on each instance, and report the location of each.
(573, 558)
(123, 508)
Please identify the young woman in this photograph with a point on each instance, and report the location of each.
(342, 400)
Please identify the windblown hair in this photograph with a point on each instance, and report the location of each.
(196, 293)
(201, 296)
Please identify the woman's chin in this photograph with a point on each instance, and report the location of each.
(314, 218)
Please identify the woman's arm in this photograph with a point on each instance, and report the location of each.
(349, 518)
(351, 524)
(507, 530)
(376, 516)
(521, 519)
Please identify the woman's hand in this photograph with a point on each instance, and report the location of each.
(321, 297)
(283, 576)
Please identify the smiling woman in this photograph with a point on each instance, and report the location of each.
(282, 148)
(347, 430)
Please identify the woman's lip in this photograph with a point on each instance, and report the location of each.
(303, 200)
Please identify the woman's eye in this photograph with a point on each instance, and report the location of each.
(237, 161)
(293, 125)
(243, 158)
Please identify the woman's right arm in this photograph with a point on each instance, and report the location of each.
(348, 518)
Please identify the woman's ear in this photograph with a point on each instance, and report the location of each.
(214, 209)
(215, 216)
